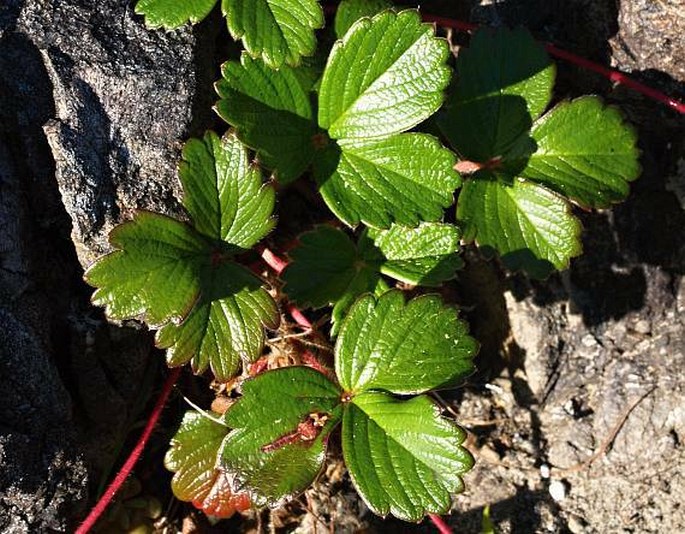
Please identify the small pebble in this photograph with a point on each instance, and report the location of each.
(557, 489)
(643, 327)
(544, 471)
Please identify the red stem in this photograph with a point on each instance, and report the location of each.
(275, 262)
(440, 524)
(126, 469)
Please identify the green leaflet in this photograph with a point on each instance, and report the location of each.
(426, 255)
(271, 112)
(400, 84)
(278, 31)
(367, 170)
(403, 348)
(531, 227)
(406, 178)
(349, 11)
(585, 152)
(224, 193)
(255, 457)
(580, 149)
(171, 14)
(150, 251)
(192, 457)
(327, 268)
(403, 457)
(180, 278)
(225, 327)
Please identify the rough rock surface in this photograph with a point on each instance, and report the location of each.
(93, 108)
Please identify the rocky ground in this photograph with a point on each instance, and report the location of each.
(577, 415)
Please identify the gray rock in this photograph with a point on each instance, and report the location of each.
(123, 98)
(93, 111)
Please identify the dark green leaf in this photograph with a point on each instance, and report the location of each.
(224, 193)
(278, 31)
(586, 152)
(192, 457)
(265, 454)
(401, 347)
(350, 11)
(398, 83)
(505, 81)
(225, 327)
(403, 178)
(134, 280)
(403, 457)
(171, 14)
(531, 227)
(328, 268)
(271, 112)
(323, 268)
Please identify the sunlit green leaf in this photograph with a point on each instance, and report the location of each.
(403, 456)
(402, 347)
(278, 31)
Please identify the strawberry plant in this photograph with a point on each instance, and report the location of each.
(351, 123)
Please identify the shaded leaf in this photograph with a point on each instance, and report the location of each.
(529, 226)
(192, 457)
(225, 327)
(133, 280)
(349, 11)
(265, 455)
(403, 457)
(171, 14)
(271, 112)
(505, 81)
(400, 347)
(327, 268)
(278, 31)
(224, 193)
(585, 151)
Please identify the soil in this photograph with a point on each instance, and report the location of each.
(577, 413)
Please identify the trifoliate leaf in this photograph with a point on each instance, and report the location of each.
(400, 347)
(403, 457)
(328, 268)
(192, 457)
(531, 227)
(271, 112)
(426, 255)
(224, 193)
(385, 76)
(404, 178)
(584, 151)
(278, 31)
(171, 14)
(505, 81)
(281, 424)
(225, 327)
(350, 11)
(155, 271)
